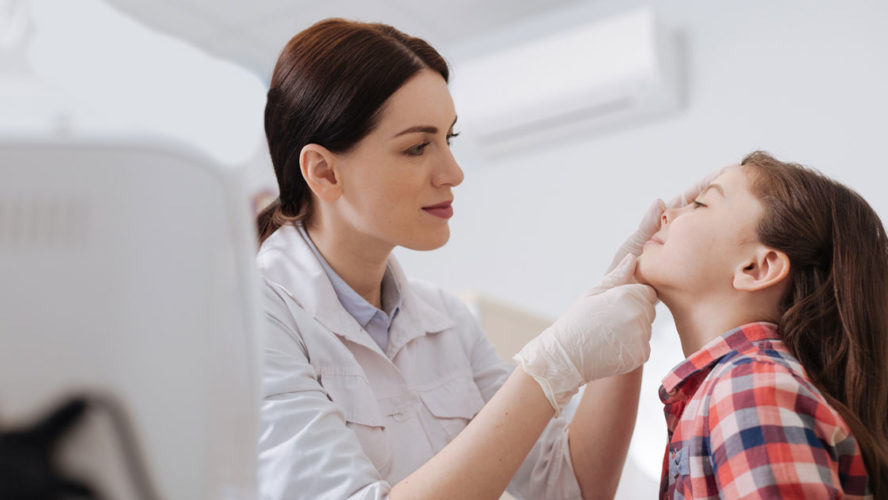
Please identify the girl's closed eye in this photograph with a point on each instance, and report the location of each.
(697, 204)
(450, 137)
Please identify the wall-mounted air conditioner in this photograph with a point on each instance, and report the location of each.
(583, 80)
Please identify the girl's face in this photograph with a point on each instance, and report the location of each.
(699, 247)
(397, 181)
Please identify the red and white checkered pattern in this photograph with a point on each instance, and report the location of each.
(745, 422)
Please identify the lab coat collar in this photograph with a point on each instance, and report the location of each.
(417, 316)
(286, 259)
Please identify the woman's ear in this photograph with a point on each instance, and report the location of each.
(768, 267)
(318, 165)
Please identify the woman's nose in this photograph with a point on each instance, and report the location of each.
(449, 173)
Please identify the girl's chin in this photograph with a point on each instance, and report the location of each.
(644, 279)
(640, 275)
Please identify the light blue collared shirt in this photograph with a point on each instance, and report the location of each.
(376, 322)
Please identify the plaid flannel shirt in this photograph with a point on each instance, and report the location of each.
(745, 422)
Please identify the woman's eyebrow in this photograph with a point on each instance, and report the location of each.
(428, 129)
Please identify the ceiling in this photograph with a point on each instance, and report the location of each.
(252, 33)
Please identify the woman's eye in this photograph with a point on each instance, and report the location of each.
(697, 204)
(417, 150)
(451, 136)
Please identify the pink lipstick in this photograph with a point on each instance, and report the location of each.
(443, 210)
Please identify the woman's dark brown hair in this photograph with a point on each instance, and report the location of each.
(328, 87)
(835, 313)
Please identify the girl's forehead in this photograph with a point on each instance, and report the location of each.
(734, 183)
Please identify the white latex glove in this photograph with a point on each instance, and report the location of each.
(650, 222)
(606, 332)
(648, 226)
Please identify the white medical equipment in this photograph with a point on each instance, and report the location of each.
(127, 283)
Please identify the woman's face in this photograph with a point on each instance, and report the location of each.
(397, 181)
(699, 246)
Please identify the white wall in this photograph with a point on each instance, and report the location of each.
(70, 81)
(804, 80)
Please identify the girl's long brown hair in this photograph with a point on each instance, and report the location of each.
(328, 87)
(835, 313)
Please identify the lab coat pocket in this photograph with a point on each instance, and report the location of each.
(354, 396)
(453, 403)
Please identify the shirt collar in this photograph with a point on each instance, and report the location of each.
(286, 261)
(354, 303)
(740, 339)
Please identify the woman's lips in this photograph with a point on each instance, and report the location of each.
(442, 210)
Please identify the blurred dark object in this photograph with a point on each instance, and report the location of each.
(28, 470)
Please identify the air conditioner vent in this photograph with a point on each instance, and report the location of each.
(43, 222)
(597, 111)
(588, 78)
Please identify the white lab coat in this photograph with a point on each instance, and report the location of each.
(342, 419)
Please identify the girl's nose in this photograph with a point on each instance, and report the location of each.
(670, 214)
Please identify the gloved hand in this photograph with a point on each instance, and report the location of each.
(606, 332)
(650, 222)
(649, 225)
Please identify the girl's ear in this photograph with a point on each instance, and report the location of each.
(318, 166)
(766, 268)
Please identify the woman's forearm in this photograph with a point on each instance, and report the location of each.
(481, 460)
(601, 430)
